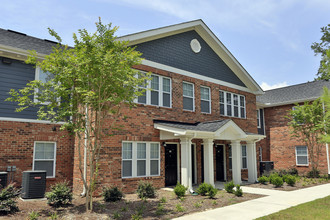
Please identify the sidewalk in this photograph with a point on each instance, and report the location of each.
(274, 201)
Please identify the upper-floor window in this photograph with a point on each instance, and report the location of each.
(258, 118)
(232, 104)
(44, 77)
(158, 92)
(205, 99)
(188, 96)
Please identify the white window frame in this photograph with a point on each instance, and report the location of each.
(258, 119)
(302, 156)
(135, 159)
(160, 92)
(242, 157)
(230, 157)
(225, 103)
(206, 99)
(54, 160)
(193, 97)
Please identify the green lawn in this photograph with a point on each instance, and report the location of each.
(318, 209)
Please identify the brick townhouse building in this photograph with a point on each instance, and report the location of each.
(278, 146)
(196, 122)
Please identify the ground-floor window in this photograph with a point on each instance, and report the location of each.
(44, 157)
(301, 156)
(140, 159)
(243, 157)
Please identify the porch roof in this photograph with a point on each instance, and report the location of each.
(224, 129)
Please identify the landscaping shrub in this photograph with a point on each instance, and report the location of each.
(112, 194)
(238, 192)
(291, 180)
(314, 173)
(59, 195)
(277, 181)
(8, 196)
(146, 190)
(263, 179)
(229, 187)
(212, 192)
(180, 190)
(203, 189)
(272, 177)
(282, 172)
(293, 171)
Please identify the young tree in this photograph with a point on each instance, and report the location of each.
(322, 48)
(87, 83)
(307, 126)
(325, 98)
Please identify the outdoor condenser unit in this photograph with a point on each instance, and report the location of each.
(266, 166)
(33, 184)
(3, 179)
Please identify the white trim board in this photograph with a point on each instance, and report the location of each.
(29, 120)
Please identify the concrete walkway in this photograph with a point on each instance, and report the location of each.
(274, 201)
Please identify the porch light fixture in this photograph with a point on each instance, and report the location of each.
(164, 144)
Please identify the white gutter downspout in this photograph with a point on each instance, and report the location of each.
(85, 157)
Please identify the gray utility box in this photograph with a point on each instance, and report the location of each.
(266, 166)
(3, 179)
(33, 184)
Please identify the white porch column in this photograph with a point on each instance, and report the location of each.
(252, 161)
(186, 171)
(236, 161)
(208, 161)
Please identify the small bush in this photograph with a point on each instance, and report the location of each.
(229, 187)
(203, 189)
(272, 177)
(160, 209)
(238, 192)
(33, 215)
(293, 171)
(314, 173)
(163, 200)
(112, 194)
(8, 196)
(59, 195)
(179, 208)
(212, 192)
(146, 190)
(263, 179)
(277, 181)
(291, 180)
(282, 172)
(180, 190)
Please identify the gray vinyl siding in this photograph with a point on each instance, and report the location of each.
(261, 130)
(175, 51)
(15, 76)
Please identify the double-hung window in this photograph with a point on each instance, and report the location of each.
(205, 99)
(44, 157)
(232, 104)
(44, 77)
(140, 159)
(188, 96)
(301, 156)
(230, 158)
(258, 118)
(244, 157)
(157, 92)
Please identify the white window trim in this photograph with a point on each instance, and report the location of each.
(134, 159)
(301, 156)
(244, 168)
(258, 119)
(160, 92)
(232, 104)
(54, 160)
(193, 97)
(206, 99)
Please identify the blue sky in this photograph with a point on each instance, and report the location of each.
(270, 38)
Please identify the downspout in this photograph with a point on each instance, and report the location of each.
(85, 156)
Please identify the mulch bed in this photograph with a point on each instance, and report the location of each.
(130, 205)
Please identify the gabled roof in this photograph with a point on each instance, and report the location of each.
(293, 94)
(210, 126)
(202, 29)
(12, 42)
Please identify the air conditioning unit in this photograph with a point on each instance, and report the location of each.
(266, 166)
(3, 179)
(33, 184)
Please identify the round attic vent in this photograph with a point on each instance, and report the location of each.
(195, 46)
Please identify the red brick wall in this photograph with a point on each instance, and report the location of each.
(17, 144)
(280, 145)
(137, 125)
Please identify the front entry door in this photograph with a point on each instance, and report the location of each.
(220, 163)
(171, 167)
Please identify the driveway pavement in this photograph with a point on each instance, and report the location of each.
(274, 201)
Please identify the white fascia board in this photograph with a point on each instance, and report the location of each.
(29, 120)
(254, 137)
(170, 129)
(234, 126)
(17, 53)
(194, 75)
(266, 105)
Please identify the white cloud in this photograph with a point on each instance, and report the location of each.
(265, 86)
